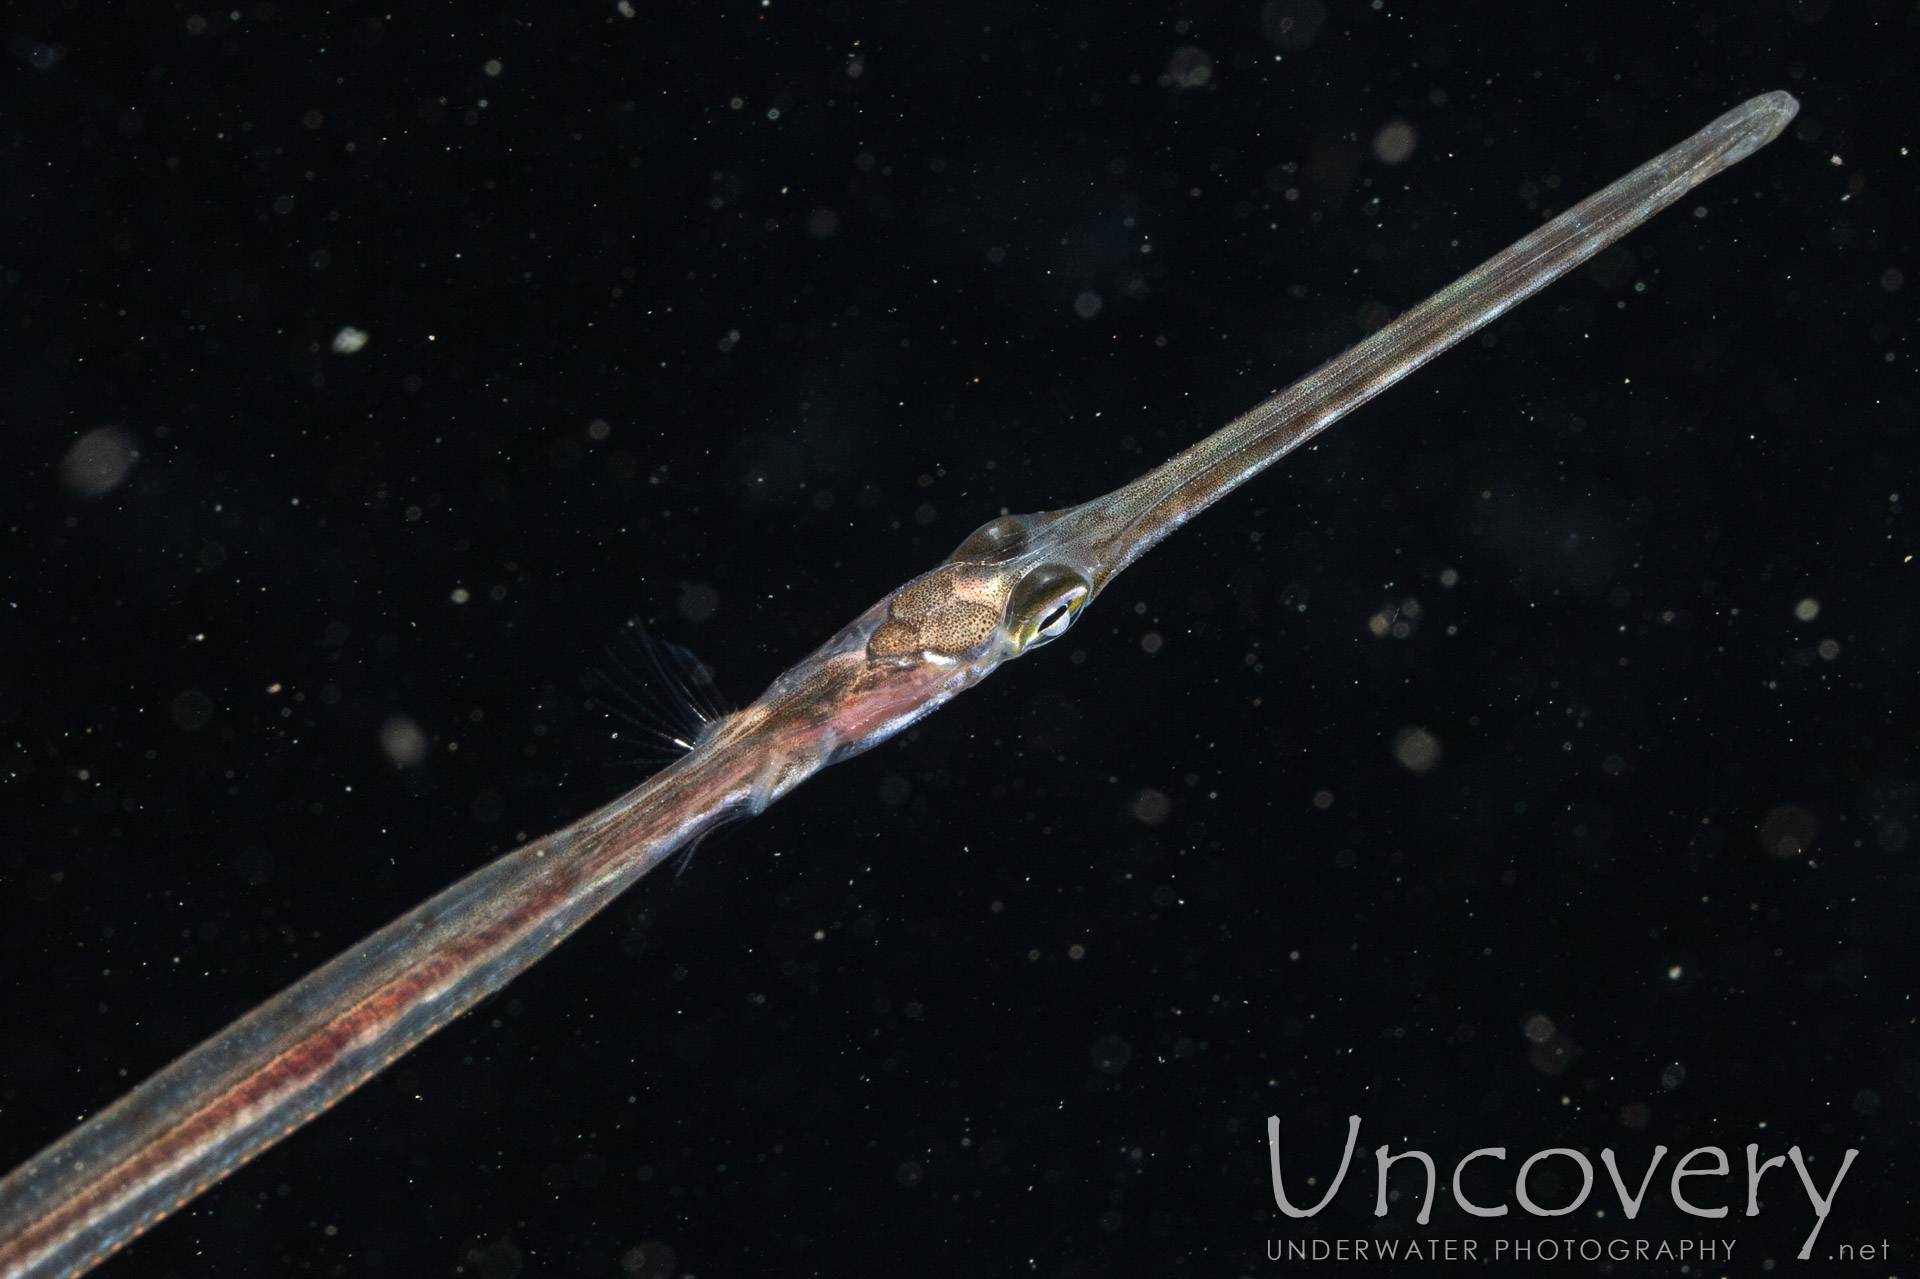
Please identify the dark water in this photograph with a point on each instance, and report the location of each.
(734, 318)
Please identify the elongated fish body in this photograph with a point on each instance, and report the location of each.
(1014, 585)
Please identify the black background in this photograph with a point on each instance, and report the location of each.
(832, 321)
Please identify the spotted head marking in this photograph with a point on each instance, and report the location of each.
(1003, 583)
(938, 618)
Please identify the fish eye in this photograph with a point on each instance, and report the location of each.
(1044, 604)
(997, 539)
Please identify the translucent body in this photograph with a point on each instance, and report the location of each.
(1015, 584)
